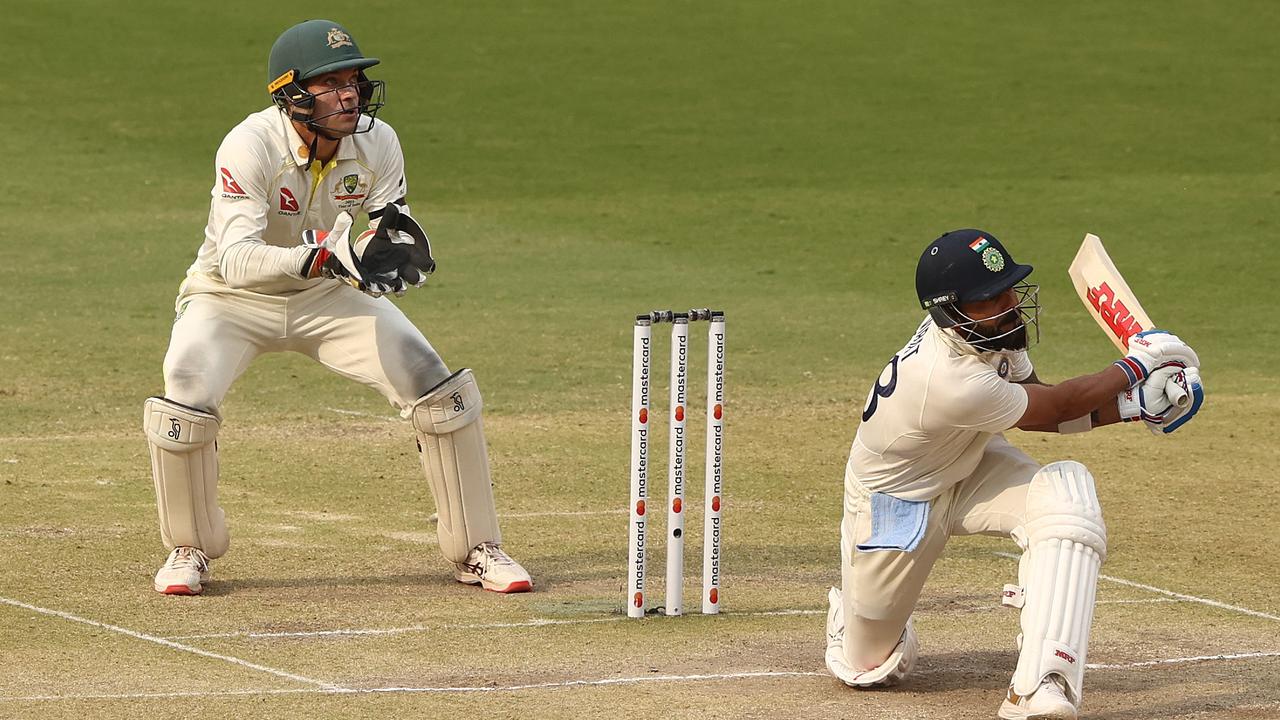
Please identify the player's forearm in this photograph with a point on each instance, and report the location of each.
(1051, 406)
(247, 264)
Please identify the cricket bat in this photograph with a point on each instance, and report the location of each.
(1112, 304)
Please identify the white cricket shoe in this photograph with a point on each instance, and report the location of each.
(488, 566)
(1048, 701)
(892, 671)
(184, 573)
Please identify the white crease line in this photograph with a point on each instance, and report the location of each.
(160, 695)
(1176, 661)
(566, 513)
(358, 413)
(595, 683)
(170, 644)
(1170, 593)
(438, 690)
(536, 622)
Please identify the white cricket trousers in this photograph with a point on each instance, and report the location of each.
(218, 332)
(881, 588)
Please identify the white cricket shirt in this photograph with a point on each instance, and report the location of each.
(266, 192)
(930, 414)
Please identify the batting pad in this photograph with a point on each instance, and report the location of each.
(1066, 542)
(184, 464)
(456, 461)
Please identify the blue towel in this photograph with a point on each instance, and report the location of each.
(896, 524)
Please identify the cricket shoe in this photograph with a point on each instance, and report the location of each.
(892, 671)
(1048, 701)
(184, 573)
(488, 566)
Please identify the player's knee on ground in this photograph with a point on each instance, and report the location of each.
(184, 465)
(456, 460)
(1065, 543)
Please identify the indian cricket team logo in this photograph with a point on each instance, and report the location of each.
(337, 38)
(1003, 369)
(992, 259)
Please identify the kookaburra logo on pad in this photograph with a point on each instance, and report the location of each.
(338, 38)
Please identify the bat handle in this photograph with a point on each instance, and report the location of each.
(1176, 394)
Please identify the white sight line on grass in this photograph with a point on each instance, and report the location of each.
(1170, 593)
(170, 644)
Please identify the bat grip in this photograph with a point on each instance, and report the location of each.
(1176, 395)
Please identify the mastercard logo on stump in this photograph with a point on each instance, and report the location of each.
(639, 507)
(676, 505)
(639, 600)
(715, 503)
(679, 413)
(719, 412)
(714, 596)
(644, 416)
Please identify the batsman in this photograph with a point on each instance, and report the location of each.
(929, 461)
(283, 267)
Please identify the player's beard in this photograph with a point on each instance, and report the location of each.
(1007, 336)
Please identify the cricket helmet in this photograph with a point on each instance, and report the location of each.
(970, 265)
(313, 48)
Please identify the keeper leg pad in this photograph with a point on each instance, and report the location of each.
(1066, 542)
(456, 461)
(184, 465)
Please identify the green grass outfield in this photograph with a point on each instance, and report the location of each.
(576, 163)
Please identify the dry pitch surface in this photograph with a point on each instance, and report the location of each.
(333, 601)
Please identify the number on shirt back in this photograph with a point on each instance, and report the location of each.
(881, 391)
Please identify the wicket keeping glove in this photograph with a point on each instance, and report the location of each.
(1151, 350)
(335, 255)
(398, 245)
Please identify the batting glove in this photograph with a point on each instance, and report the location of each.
(1165, 401)
(1153, 349)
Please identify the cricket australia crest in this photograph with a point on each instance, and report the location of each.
(337, 38)
(350, 190)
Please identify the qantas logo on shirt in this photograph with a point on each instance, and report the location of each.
(288, 203)
(231, 188)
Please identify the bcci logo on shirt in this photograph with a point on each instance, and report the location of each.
(350, 191)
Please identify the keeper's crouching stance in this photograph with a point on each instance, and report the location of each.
(269, 278)
(929, 461)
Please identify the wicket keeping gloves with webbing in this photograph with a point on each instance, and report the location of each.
(387, 259)
(1153, 349)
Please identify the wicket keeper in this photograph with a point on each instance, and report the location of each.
(283, 268)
